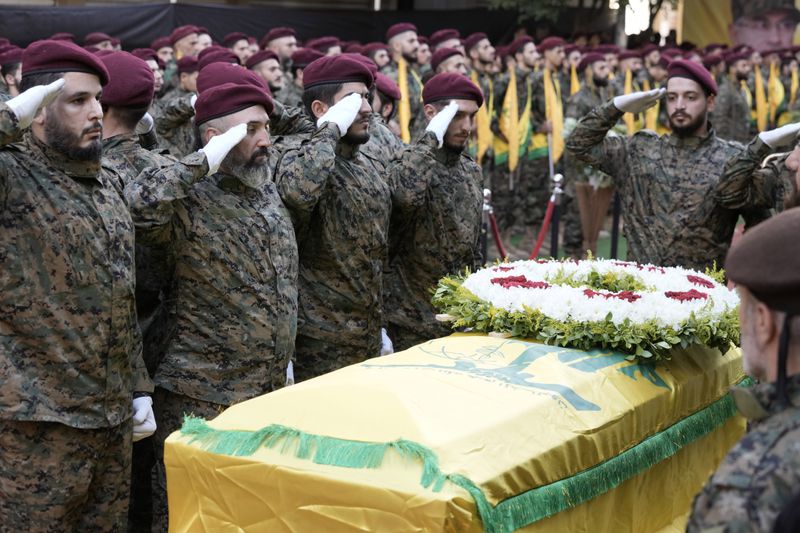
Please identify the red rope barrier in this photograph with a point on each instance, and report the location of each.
(543, 232)
(496, 235)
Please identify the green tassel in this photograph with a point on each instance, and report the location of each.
(510, 514)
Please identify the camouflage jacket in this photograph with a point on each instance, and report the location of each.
(383, 145)
(560, 84)
(666, 184)
(418, 121)
(746, 184)
(70, 348)
(437, 201)
(234, 298)
(340, 206)
(175, 124)
(578, 106)
(290, 95)
(760, 475)
(731, 116)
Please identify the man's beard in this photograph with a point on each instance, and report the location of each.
(357, 138)
(250, 172)
(741, 76)
(411, 58)
(455, 147)
(600, 82)
(689, 129)
(62, 140)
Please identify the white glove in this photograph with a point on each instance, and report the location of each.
(386, 343)
(219, 146)
(144, 421)
(780, 136)
(638, 102)
(28, 103)
(290, 374)
(192, 100)
(343, 113)
(441, 120)
(145, 125)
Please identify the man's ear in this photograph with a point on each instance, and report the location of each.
(41, 116)
(210, 133)
(711, 102)
(319, 108)
(430, 111)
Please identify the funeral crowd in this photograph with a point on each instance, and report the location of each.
(191, 225)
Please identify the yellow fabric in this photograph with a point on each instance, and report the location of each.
(509, 415)
(574, 82)
(554, 113)
(651, 114)
(775, 91)
(762, 106)
(483, 127)
(513, 125)
(793, 88)
(404, 106)
(747, 94)
(631, 122)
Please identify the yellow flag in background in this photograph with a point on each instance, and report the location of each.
(651, 114)
(404, 108)
(554, 112)
(483, 120)
(629, 118)
(762, 107)
(775, 93)
(509, 123)
(574, 82)
(793, 88)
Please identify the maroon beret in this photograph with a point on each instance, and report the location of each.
(96, 38)
(215, 54)
(590, 59)
(423, 40)
(161, 42)
(400, 27)
(648, 48)
(42, 57)
(180, 32)
(145, 54)
(681, 68)
(354, 48)
(607, 49)
(438, 37)
(451, 86)
(732, 57)
(10, 54)
(764, 261)
(518, 44)
(370, 49)
(664, 62)
(260, 57)
(337, 69)
(322, 44)
(130, 82)
(472, 40)
(387, 86)
(441, 54)
(202, 30)
(115, 41)
(630, 54)
(303, 56)
(188, 64)
(4, 41)
(63, 36)
(227, 99)
(711, 60)
(568, 49)
(102, 52)
(233, 38)
(219, 73)
(550, 43)
(367, 62)
(503, 51)
(276, 33)
(91, 49)
(713, 47)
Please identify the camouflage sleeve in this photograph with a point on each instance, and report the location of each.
(151, 196)
(149, 140)
(500, 88)
(743, 184)
(288, 120)
(174, 113)
(141, 378)
(720, 508)
(9, 126)
(303, 173)
(589, 143)
(408, 177)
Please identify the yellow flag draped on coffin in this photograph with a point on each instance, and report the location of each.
(483, 120)
(466, 433)
(404, 106)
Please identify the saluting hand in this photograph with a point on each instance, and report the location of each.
(441, 121)
(343, 113)
(780, 136)
(218, 147)
(28, 103)
(639, 101)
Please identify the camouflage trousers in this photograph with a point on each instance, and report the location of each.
(169, 408)
(314, 357)
(58, 478)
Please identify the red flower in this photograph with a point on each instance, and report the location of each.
(686, 296)
(504, 269)
(697, 280)
(628, 296)
(519, 281)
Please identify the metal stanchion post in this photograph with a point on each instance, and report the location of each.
(557, 179)
(487, 211)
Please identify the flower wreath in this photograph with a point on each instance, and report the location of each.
(641, 310)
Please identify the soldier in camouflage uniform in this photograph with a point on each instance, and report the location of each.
(11, 71)
(731, 116)
(403, 43)
(292, 92)
(340, 207)
(174, 119)
(234, 298)
(70, 348)
(383, 144)
(760, 475)
(666, 183)
(593, 92)
(437, 202)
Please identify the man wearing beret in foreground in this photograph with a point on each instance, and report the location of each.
(75, 389)
(340, 206)
(666, 183)
(762, 472)
(235, 292)
(437, 201)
